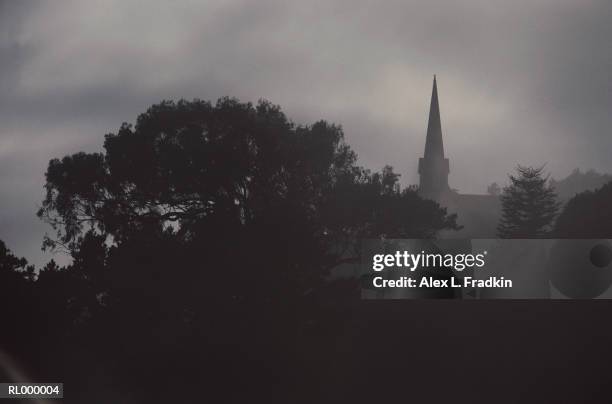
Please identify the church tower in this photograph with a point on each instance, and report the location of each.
(433, 166)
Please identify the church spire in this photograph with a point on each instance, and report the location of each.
(433, 142)
(433, 167)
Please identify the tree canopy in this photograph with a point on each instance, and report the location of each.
(216, 225)
(529, 205)
(587, 215)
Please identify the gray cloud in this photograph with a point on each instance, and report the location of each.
(526, 81)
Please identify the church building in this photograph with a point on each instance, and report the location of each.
(478, 214)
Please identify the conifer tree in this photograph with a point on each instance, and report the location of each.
(529, 205)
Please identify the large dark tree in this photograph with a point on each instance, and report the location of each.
(192, 166)
(209, 232)
(529, 205)
(587, 215)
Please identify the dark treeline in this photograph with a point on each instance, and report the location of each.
(202, 241)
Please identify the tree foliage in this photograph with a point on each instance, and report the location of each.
(17, 301)
(216, 226)
(579, 181)
(587, 215)
(529, 205)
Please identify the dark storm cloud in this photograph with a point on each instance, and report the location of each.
(526, 81)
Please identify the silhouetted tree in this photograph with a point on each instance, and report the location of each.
(209, 230)
(374, 205)
(19, 307)
(187, 163)
(587, 215)
(12, 267)
(529, 205)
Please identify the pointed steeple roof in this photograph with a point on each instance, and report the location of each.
(433, 142)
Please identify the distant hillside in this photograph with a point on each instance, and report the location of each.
(579, 181)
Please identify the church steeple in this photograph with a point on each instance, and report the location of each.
(433, 143)
(433, 166)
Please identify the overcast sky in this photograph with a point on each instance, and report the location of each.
(523, 81)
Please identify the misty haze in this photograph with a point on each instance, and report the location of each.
(525, 82)
(191, 192)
